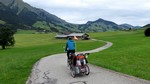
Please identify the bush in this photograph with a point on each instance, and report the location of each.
(6, 37)
(147, 32)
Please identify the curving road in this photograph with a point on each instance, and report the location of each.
(53, 70)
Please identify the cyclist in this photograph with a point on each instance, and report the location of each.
(70, 47)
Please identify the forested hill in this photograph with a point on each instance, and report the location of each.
(20, 13)
(100, 25)
(24, 16)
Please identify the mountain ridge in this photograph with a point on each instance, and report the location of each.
(100, 25)
(30, 17)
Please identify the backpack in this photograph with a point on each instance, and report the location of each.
(81, 60)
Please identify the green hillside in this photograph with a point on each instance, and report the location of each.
(99, 25)
(17, 12)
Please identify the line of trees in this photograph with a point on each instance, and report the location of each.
(6, 37)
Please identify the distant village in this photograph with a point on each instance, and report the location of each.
(82, 36)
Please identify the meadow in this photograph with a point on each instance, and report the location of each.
(16, 62)
(130, 53)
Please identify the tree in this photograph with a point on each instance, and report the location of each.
(147, 32)
(6, 37)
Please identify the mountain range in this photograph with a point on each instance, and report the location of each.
(23, 16)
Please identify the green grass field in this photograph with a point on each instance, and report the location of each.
(16, 62)
(130, 53)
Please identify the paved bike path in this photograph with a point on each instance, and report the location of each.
(53, 70)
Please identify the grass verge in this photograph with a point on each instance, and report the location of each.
(129, 53)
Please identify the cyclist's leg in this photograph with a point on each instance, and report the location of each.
(73, 51)
(68, 53)
(73, 57)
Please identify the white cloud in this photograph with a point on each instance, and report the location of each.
(135, 12)
(59, 3)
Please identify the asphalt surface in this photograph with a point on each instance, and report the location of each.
(53, 70)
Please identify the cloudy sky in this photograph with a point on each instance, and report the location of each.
(134, 12)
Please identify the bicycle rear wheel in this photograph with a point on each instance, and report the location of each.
(87, 70)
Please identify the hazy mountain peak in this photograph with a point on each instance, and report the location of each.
(125, 25)
(100, 19)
